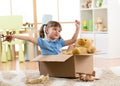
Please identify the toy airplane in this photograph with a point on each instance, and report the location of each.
(7, 37)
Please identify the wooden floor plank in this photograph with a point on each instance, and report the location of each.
(28, 65)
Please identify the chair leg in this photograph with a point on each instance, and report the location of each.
(0, 47)
(27, 51)
(9, 53)
(21, 54)
(35, 50)
(13, 52)
(3, 56)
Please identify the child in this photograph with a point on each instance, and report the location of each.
(52, 44)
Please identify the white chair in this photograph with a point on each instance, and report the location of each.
(11, 23)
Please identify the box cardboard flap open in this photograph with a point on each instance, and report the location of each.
(83, 55)
(52, 58)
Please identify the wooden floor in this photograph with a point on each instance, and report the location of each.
(106, 62)
(16, 65)
(28, 65)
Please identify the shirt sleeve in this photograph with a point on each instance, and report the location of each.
(39, 41)
(62, 42)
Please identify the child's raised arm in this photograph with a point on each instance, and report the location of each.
(74, 38)
(27, 38)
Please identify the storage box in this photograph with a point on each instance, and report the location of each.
(65, 65)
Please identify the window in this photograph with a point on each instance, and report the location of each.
(68, 31)
(24, 8)
(4, 7)
(46, 7)
(68, 10)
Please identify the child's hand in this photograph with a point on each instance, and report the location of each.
(77, 24)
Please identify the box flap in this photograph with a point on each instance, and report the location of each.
(52, 58)
(83, 54)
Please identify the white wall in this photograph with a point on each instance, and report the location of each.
(114, 28)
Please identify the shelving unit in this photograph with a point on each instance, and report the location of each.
(89, 26)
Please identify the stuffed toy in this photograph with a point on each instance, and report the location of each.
(87, 4)
(99, 26)
(41, 80)
(87, 77)
(82, 46)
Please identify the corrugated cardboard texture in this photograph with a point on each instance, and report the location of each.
(65, 65)
(58, 69)
(83, 64)
(52, 58)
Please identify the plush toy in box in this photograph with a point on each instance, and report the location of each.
(82, 46)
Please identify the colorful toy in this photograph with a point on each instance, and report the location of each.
(99, 3)
(8, 36)
(90, 25)
(85, 28)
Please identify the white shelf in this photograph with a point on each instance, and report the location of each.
(88, 32)
(95, 32)
(99, 32)
(85, 9)
(90, 15)
(100, 8)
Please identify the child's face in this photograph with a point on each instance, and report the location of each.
(53, 33)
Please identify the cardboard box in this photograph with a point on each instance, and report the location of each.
(64, 65)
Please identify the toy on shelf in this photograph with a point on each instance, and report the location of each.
(87, 4)
(85, 27)
(99, 26)
(99, 3)
(90, 25)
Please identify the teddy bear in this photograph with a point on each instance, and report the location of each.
(87, 4)
(99, 26)
(82, 46)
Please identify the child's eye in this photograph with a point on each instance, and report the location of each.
(59, 30)
(54, 29)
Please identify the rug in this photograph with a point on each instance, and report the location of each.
(108, 77)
